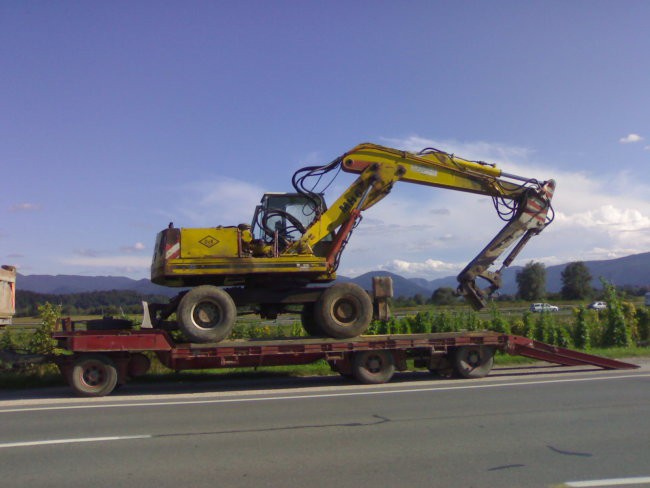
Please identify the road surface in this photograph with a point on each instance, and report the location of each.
(515, 428)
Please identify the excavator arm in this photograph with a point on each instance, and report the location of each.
(527, 203)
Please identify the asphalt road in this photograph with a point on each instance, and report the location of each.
(514, 428)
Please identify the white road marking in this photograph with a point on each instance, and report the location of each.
(72, 441)
(319, 395)
(611, 482)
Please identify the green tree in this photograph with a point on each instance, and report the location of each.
(444, 296)
(576, 282)
(419, 299)
(531, 281)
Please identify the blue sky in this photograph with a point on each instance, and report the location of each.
(119, 117)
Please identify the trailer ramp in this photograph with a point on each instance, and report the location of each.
(530, 348)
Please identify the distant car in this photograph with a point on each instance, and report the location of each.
(543, 307)
(597, 306)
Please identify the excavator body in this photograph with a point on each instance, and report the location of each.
(295, 241)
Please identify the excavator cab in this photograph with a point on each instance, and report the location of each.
(285, 216)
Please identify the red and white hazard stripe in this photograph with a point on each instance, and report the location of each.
(173, 251)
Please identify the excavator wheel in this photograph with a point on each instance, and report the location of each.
(206, 314)
(473, 361)
(343, 311)
(308, 320)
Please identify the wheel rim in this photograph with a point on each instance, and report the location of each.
(374, 364)
(94, 375)
(206, 315)
(473, 359)
(345, 311)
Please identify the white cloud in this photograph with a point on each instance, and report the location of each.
(137, 247)
(429, 266)
(610, 218)
(25, 207)
(630, 138)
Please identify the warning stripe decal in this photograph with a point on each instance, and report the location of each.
(173, 252)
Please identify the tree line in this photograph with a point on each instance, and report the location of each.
(531, 286)
(113, 302)
(576, 283)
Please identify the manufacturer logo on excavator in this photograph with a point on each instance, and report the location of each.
(351, 200)
(209, 241)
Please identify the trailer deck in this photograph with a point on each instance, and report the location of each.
(102, 359)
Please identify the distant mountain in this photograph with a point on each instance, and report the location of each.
(66, 284)
(401, 286)
(630, 270)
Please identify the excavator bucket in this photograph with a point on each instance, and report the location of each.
(529, 220)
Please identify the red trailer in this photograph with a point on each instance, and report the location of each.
(102, 359)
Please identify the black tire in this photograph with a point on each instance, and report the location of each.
(343, 311)
(206, 314)
(473, 361)
(373, 367)
(93, 375)
(308, 320)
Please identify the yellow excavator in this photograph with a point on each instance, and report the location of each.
(295, 242)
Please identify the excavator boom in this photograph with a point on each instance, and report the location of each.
(527, 202)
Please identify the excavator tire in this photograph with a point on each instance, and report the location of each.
(373, 367)
(206, 314)
(343, 311)
(473, 361)
(308, 320)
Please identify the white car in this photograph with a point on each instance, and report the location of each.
(543, 307)
(597, 306)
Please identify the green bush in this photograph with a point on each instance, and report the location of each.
(497, 322)
(41, 341)
(643, 321)
(616, 333)
(582, 329)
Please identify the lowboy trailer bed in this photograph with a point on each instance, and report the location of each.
(100, 360)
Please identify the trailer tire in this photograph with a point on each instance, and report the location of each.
(473, 361)
(308, 320)
(344, 311)
(93, 375)
(373, 367)
(206, 314)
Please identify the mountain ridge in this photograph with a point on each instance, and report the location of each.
(632, 270)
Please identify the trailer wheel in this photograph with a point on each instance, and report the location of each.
(206, 314)
(373, 367)
(343, 311)
(473, 361)
(308, 320)
(93, 375)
